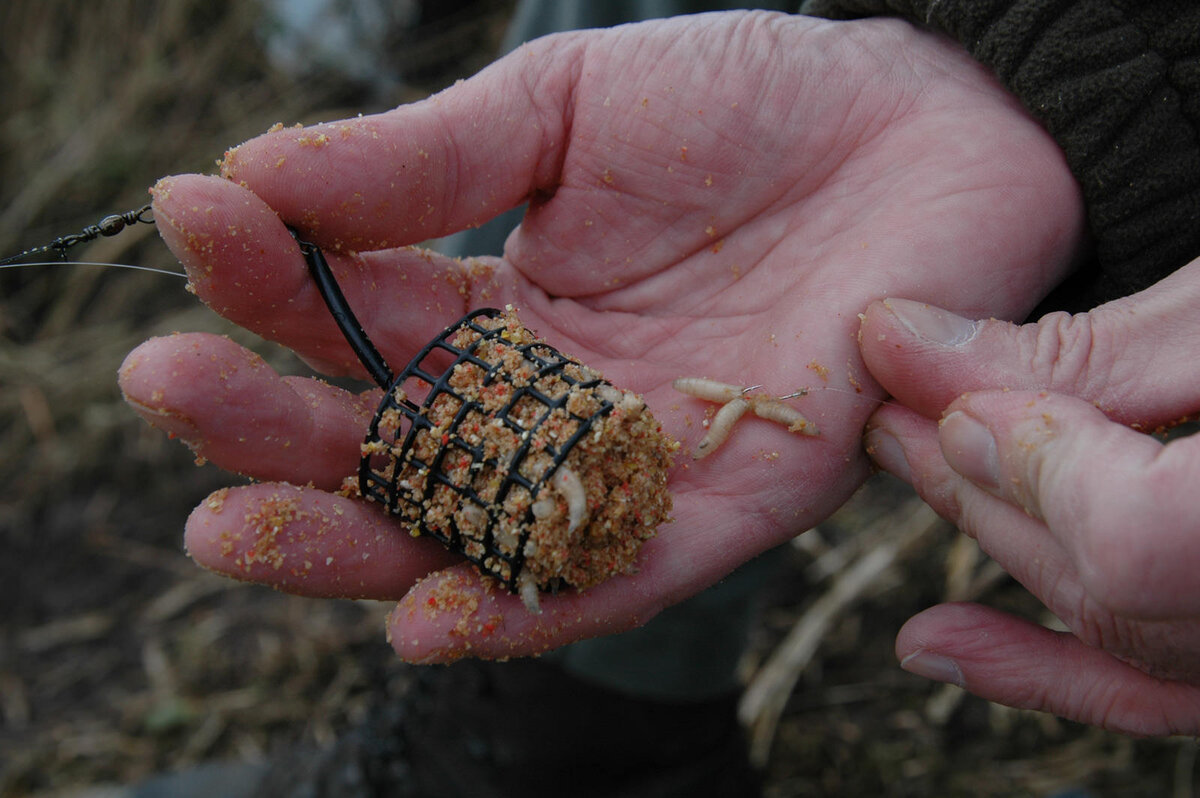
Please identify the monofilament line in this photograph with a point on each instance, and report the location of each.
(93, 263)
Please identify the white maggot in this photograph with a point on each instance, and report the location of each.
(568, 484)
(722, 425)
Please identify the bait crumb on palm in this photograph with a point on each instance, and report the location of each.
(736, 401)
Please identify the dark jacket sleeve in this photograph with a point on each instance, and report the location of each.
(1117, 83)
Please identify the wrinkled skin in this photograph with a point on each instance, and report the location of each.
(714, 196)
(1100, 521)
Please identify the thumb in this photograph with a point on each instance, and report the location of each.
(1133, 357)
(1122, 505)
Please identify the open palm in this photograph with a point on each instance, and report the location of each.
(714, 196)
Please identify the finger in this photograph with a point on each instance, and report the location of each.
(232, 409)
(1132, 357)
(242, 261)
(1082, 511)
(305, 541)
(1120, 503)
(907, 445)
(457, 613)
(317, 544)
(1020, 664)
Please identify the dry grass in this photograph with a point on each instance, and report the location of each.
(118, 658)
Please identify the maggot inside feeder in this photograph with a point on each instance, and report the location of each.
(523, 460)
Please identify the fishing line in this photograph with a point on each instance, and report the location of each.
(6, 265)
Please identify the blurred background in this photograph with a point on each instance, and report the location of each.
(119, 659)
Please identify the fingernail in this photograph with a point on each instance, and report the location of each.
(933, 666)
(174, 424)
(406, 648)
(888, 454)
(930, 323)
(970, 449)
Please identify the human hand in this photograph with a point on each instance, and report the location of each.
(1099, 521)
(709, 196)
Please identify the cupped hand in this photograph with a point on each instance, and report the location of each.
(712, 196)
(1099, 520)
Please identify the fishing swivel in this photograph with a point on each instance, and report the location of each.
(108, 226)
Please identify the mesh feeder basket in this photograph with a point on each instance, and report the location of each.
(510, 453)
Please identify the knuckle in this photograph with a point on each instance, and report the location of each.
(1084, 354)
(1103, 705)
(1064, 350)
